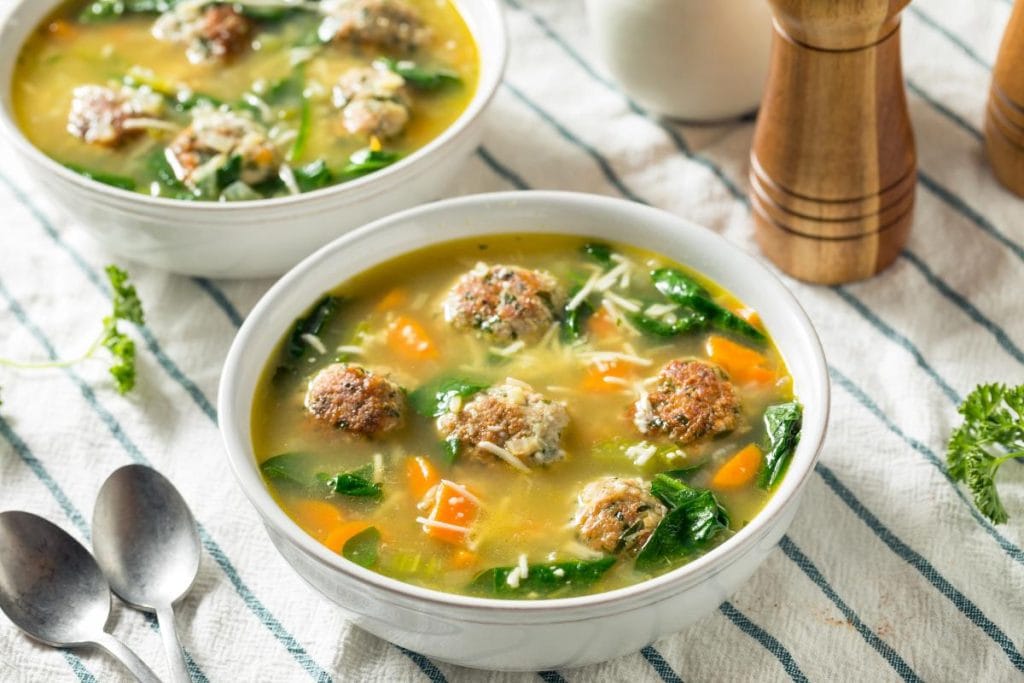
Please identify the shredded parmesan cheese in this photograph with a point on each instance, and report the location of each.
(513, 578)
(524, 568)
(584, 292)
(622, 302)
(463, 491)
(503, 454)
(641, 453)
(610, 356)
(442, 525)
(314, 341)
(351, 348)
(378, 468)
(610, 277)
(510, 350)
(643, 412)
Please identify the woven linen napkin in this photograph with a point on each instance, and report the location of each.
(887, 573)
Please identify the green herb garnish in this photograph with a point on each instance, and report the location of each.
(783, 423)
(289, 468)
(126, 308)
(368, 160)
(313, 175)
(599, 252)
(542, 580)
(992, 433)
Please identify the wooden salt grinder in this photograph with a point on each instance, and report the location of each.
(1004, 117)
(833, 166)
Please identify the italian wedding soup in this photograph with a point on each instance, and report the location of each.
(525, 417)
(200, 100)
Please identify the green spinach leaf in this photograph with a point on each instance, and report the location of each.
(782, 422)
(542, 580)
(358, 483)
(432, 399)
(363, 548)
(682, 289)
(420, 77)
(292, 468)
(114, 180)
(599, 252)
(312, 323)
(686, 321)
(313, 175)
(693, 521)
(368, 160)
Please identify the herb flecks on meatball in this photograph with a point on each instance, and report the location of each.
(373, 101)
(353, 399)
(509, 422)
(505, 303)
(390, 24)
(616, 515)
(213, 138)
(691, 401)
(209, 32)
(104, 116)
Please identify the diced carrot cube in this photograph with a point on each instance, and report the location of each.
(408, 338)
(606, 376)
(422, 476)
(452, 513)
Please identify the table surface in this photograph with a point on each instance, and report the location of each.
(887, 573)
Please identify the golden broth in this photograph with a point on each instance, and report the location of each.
(522, 513)
(63, 53)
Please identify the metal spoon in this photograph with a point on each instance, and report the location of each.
(53, 590)
(146, 541)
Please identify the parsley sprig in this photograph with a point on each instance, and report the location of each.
(126, 308)
(992, 433)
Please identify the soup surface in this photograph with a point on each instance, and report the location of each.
(219, 101)
(525, 417)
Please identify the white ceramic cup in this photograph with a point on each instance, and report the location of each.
(696, 60)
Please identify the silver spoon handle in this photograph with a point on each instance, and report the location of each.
(172, 646)
(129, 659)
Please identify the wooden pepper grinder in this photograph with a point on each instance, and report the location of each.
(1004, 117)
(833, 166)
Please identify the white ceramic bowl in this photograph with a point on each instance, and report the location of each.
(251, 238)
(533, 634)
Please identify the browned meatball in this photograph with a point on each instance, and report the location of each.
(384, 23)
(692, 400)
(213, 32)
(505, 302)
(217, 134)
(104, 116)
(373, 101)
(509, 422)
(355, 400)
(616, 515)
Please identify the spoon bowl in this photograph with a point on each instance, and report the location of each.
(53, 590)
(50, 586)
(146, 541)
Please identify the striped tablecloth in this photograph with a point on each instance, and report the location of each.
(887, 573)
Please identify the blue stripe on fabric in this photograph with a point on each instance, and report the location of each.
(428, 668)
(898, 339)
(600, 160)
(883, 648)
(551, 677)
(248, 597)
(945, 111)
(950, 36)
(766, 640)
(69, 508)
(504, 172)
(673, 134)
(220, 299)
(960, 206)
(961, 302)
(78, 667)
(658, 663)
(923, 566)
(862, 398)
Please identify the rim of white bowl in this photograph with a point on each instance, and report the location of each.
(243, 464)
(378, 181)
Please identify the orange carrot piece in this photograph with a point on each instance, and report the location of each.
(422, 476)
(743, 364)
(750, 315)
(409, 339)
(317, 517)
(62, 29)
(336, 539)
(393, 299)
(595, 381)
(601, 326)
(464, 559)
(451, 507)
(738, 470)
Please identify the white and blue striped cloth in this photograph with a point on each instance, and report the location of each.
(888, 572)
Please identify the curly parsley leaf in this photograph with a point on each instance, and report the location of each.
(991, 434)
(127, 307)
